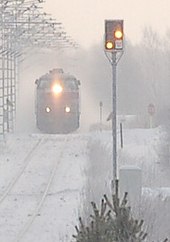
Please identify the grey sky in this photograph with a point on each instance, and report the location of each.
(84, 19)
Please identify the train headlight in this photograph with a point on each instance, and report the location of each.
(57, 88)
(67, 109)
(48, 109)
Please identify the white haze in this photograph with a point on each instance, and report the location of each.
(140, 80)
(39, 62)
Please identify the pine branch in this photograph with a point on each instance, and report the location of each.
(108, 203)
(103, 208)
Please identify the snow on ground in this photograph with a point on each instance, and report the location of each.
(147, 149)
(83, 173)
(56, 219)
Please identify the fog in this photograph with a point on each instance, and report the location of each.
(81, 64)
(142, 78)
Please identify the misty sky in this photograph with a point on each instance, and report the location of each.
(84, 19)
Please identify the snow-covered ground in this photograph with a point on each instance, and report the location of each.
(47, 181)
(145, 149)
(31, 210)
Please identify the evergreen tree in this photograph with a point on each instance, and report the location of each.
(113, 222)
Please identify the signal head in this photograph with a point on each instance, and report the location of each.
(114, 35)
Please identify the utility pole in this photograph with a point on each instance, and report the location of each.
(114, 49)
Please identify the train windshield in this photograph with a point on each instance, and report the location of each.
(44, 83)
(68, 84)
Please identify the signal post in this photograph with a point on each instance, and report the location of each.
(114, 49)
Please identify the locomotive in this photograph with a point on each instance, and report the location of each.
(57, 102)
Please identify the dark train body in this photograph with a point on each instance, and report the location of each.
(57, 102)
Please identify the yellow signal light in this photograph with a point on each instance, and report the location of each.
(118, 34)
(109, 45)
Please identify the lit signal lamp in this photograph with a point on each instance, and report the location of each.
(118, 34)
(109, 45)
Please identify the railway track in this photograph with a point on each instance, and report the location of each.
(26, 162)
(44, 174)
(27, 225)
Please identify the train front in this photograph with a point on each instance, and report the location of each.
(57, 104)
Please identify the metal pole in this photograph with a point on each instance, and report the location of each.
(101, 115)
(121, 136)
(114, 130)
(150, 121)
